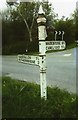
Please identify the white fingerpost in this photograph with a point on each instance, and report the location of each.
(41, 20)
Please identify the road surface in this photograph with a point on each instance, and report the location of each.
(61, 69)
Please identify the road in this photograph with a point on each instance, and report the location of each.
(61, 69)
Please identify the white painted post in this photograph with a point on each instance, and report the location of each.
(41, 20)
(62, 35)
(55, 35)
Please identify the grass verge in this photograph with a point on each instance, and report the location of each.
(22, 100)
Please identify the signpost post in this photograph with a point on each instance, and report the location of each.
(43, 47)
(41, 20)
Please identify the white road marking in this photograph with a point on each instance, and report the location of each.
(67, 54)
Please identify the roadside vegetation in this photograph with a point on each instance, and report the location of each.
(21, 99)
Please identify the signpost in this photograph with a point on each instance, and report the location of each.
(41, 20)
(43, 47)
(59, 33)
(28, 59)
(55, 45)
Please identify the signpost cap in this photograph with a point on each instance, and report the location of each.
(41, 10)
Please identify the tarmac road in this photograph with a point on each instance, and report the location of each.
(61, 69)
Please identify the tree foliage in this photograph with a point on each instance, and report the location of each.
(69, 28)
(75, 18)
(20, 27)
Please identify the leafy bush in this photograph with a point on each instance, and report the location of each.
(22, 100)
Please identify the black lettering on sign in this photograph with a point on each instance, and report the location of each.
(63, 42)
(53, 43)
(26, 59)
(57, 47)
(62, 47)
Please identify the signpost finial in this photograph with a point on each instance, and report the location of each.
(41, 10)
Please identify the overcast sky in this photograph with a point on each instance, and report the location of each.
(62, 7)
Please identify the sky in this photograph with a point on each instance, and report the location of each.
(62, 7)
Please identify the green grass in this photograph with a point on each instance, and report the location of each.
(22, 100)
(73, 45)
